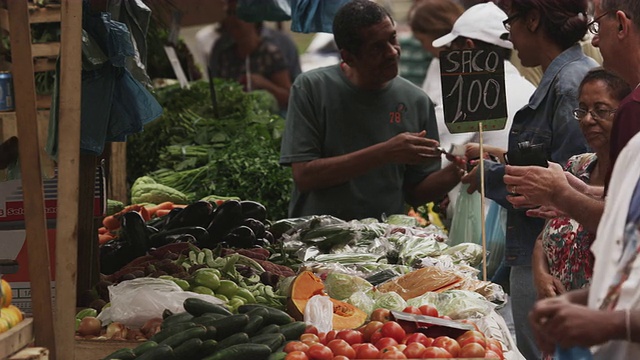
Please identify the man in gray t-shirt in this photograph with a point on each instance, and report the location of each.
(361, 141)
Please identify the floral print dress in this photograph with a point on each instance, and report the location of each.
(565, 241)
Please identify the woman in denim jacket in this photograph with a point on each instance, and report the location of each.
(545, 33)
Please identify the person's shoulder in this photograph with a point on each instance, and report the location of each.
(325, 73)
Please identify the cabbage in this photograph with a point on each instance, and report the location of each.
(341, 286)
(457, 304)
(390, 300)
(362, 301)
(467, 253)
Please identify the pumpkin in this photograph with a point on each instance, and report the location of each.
(305, 286)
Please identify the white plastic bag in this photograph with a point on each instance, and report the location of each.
(133, 302)
(319, 312)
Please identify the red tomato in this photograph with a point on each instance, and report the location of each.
(489, 354)
(428, 310)
(472, 350)
(386, 341)
(350, 336)
(445, 317)
(381, 314)
(412, 310)
(330, 336)
(394, 330)
(433, 352)
(322, 338)
(370, 328)
(401, 347)
(377, 335)
(419, 338)
(367, 351)
(392, 354)
(494, 345)
(414, 350)
(311, 329)
(472, 336)
(295, 346)
(340, 357)
(319, 352)
(447, 343)
(296, 355)
(341, 347)
(357, 346)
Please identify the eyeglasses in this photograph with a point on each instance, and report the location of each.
(597, 114)
(594, 25)
(507, 22)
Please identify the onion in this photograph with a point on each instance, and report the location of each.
(89, 326)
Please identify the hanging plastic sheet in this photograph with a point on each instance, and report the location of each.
(309, 16)
(263, 10)
(466, 225)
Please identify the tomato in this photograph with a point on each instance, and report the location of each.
(414, 350)
(296, 355)
(381, 314)
(400, 347)
(330, 336)
(309, 339)
(350, 336)
(428, 310)
(311, 329)
(392, 354)
(357, 346)
(472, 336)
(367, 351)
(341, 347)
(472, 350)
(445, 317)
(340, 357)
(412, 310)
(494, 345)
(447, 343)
(433, 352)
(295, 346)
(386, 341)
(322, 338)
(394, 330)
(419, 338)
(489, 354)
(319, 352)
(370, 328)
(377, 335)
(467, 321)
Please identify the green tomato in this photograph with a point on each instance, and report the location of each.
(227, 288)
(207, 279)
(222, 297)
(184, 284)
(210, 270)
(246, 295)
(202, 290)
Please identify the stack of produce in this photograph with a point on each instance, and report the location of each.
(10, 315)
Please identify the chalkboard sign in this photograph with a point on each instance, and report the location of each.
(473, 89)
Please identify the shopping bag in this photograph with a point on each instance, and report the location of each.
(496, 230)
(466, 225)
(309, 16)
(263, 10)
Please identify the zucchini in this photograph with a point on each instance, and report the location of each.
(273, 341)
(188, 350)
(144, 347)
(280, 355)
(166, 313)
(207, 318)
(273, 315)
(208, 347)
(121, 354)
(242, 352)
(175, 319)
(269, 329)
(294, 330)
(229, 325)
(235, 339)
(160, 352)
(175, 329)
(198, 307)
(254, 325)
(175, 340)
(211, 333)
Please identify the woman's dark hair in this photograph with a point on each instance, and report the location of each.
(353, 17)
(564, 21)
(618, 88)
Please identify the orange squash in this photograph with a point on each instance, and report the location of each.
(305, 286)
(5, 293)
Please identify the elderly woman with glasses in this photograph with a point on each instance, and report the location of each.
(545, 33)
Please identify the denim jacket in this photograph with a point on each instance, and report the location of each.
(548, 120)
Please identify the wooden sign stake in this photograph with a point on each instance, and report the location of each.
(482, 224)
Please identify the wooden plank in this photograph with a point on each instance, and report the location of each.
(4, 19)
(97, 349)
(69, 163)
(44, 64)
(43, 101)
(16, 338)
(48, 49)
(34, 353)
(118, 172)
(29, 149)
(49, 13)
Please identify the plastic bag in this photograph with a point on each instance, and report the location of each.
(496, 228)
(133, 302)
(466, 225)
(263, 10)
(319, 312)
(308, 16)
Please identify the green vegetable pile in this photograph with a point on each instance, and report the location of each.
(198, 154)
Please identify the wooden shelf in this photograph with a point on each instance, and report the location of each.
(50, 49)
(37, 14)
(98, 349)
(16, 338)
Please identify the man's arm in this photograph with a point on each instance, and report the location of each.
(435, 186)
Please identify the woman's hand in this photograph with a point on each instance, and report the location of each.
(547, 285)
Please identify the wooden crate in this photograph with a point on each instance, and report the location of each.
(98, 349)
(32, 353)
(17, 338)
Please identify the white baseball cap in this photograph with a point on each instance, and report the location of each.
(480, 22)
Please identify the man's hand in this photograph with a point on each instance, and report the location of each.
(546, 212)
(534, 185)
(412, 149)
(471, 179)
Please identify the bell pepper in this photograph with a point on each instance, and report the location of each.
(207, 279)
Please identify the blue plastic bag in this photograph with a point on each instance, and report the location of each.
(308, 16)
(496, 230)
(575, 353)
(263, 10)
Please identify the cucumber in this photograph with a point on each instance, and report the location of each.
(144, 347)
(254, 325)
(198, 331)
(165, 333)
(121, 354)
(188, 350)
(235, 339)
(198, 307)
(166, 313)
(242, 352)
(160, 352)
(176, 319)
(207, 317)
(273, 341)
(269, 329)
(273, 315)
(280, 355)
(211, 333)
(230, 325)
(294, 330)
(208, 347)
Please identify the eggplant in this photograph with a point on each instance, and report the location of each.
(197, 214)
(255, 225)
(114, 255)
(240, 237)
(255, 210)
(269, 236)
(225, 217)
(135, 232)
(199, 234)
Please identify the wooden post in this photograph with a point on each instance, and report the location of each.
(118, 172)
(482, 224)
(29, 149)
(68, 177)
